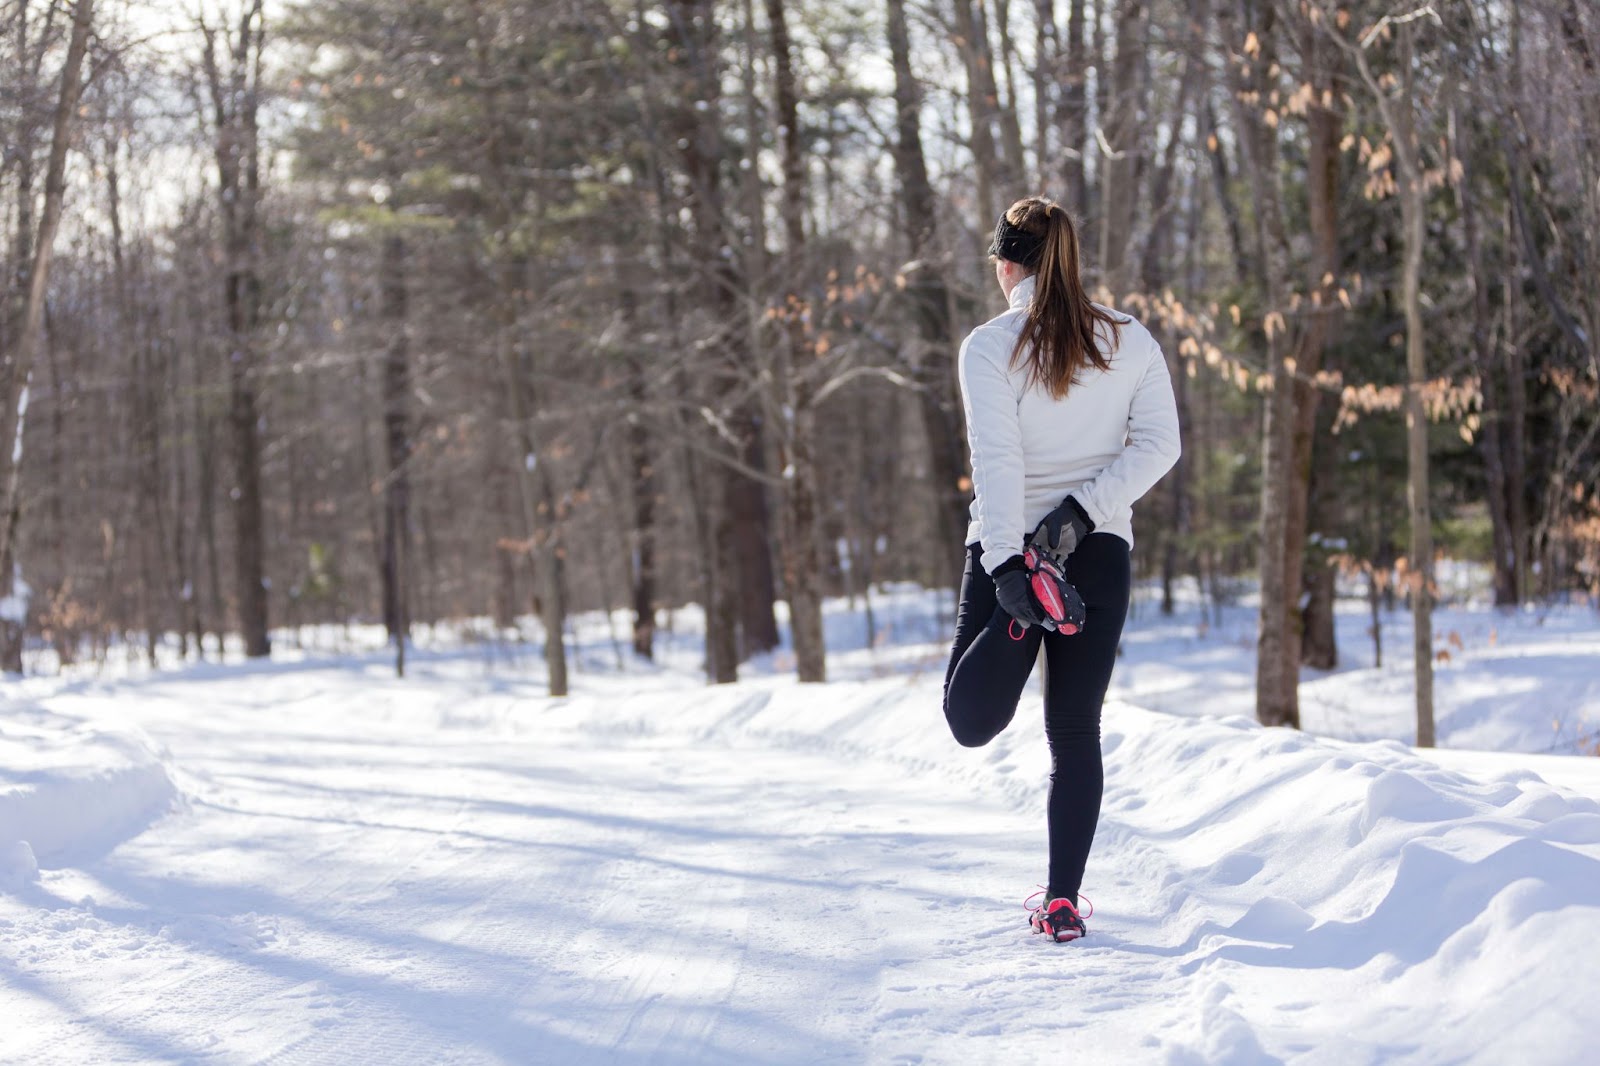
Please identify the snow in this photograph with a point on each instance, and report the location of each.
(67, 793)
(1525, 681)
(458, 868)
(14, 606)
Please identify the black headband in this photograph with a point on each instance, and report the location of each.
(1013, 244)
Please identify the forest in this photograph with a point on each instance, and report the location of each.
(413, 311)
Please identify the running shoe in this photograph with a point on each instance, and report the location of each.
(1063, 608)
(1056, 918)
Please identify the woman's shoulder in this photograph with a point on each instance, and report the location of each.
(998, 335)
(1011, 321)
(1122, 317)
(1132, 335)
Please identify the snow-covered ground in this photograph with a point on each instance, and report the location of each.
(310, 861)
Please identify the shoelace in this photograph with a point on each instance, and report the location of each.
(1027, 904)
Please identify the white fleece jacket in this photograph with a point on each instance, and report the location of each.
(1106, 443)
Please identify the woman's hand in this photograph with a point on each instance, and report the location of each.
(1062, 530)
(1011, 588)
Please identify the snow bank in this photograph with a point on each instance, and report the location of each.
(69, 791)
(1282, 851)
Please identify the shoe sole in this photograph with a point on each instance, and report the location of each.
(1059, 936)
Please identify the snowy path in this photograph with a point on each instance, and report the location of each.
(347, 887)
(452, 870)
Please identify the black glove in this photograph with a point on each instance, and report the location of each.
(1011, 588)
(1063, 529)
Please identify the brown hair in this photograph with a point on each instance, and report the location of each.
(1063, 328)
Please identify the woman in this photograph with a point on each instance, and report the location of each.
(1071, 419)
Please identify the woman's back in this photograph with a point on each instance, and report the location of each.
(1105, 442)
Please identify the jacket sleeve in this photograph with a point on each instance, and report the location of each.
(1152, 449)
(994, 432)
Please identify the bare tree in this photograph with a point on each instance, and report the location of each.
(16, 370)
(930, 297)
(1395, 95)
(235, 94)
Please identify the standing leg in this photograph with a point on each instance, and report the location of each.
(988, 669)
(1077, 673)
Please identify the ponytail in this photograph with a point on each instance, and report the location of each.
(1064, 327)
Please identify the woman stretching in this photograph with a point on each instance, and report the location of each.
(1071, 419)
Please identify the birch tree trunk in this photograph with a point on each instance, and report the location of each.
(16, 371)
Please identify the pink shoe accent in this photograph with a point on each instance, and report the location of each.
(1057, 918)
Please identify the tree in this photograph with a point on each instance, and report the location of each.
(1395, 95)
(235, 96)
(16, 370)
(1253, 68)
(929, 295)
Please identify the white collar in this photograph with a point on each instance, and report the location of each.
(1022, 294)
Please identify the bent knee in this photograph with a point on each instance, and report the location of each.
(971, 739)
(969, 734)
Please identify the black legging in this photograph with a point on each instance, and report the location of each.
(988, 670)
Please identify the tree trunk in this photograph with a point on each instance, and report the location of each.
(1491, 446)
(509, 191)
(988, 168)
(1245, 264)
(1311, 601)
(1075, 112)
(795, 408)
(1164, 206)
(1402, 120)
(1046, 72)
(731, 555)
(535, 489)
(1095, 184)
(234, 102)
(750, 603)
(932, 358)
(397, 437)
(1399, 115)
(1277, 649)
(643, 485)
(1319, 647)
(802, 559)
(206, 433)
(1417, 457)
(1516, 421)
(1123, 135)
(722, 572)
(1177, 525)
(16, 371)
(147, 388)
(1006, 107)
